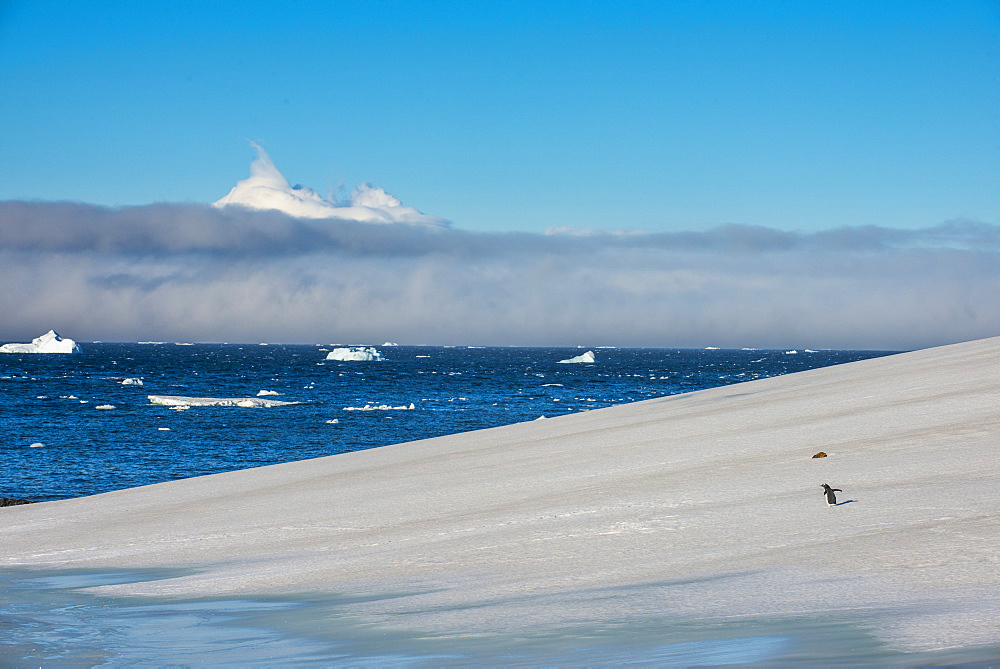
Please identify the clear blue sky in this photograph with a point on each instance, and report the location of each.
(659, 116)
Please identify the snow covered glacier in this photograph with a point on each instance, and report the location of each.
(50, 342)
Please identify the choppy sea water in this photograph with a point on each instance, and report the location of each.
(83, 424)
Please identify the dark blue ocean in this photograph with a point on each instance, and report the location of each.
(71, 427)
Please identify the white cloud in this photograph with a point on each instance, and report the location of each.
(268, 189)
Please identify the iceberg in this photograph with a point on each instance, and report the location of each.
(354, 353)
(50, 342)
(177, 401)
(131, 382)
(585, 357)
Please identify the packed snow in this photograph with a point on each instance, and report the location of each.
(355, 354)
(179, 401)
(50, 342)
(267, 188)
(583, 358)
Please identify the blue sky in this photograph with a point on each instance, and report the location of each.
(517, 116)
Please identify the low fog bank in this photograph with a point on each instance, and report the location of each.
(197, 273)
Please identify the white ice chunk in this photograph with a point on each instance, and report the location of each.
(585, 357)
(50, 342)
(354, 353)
(132, 382)
(381, 407)
(178, 401)
(262, 393)
(105, 407)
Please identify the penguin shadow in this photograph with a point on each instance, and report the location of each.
(846, 501)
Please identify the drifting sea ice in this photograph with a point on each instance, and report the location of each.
(381, 407)
(586, 357)
(354, 353)
(132, 382)
(177, 401)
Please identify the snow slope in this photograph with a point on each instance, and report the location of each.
(703, 508)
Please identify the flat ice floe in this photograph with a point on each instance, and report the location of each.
(246, 402)
(50, 342)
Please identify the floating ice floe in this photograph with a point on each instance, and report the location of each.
(105, 407)
(37, 444)
(262, 393)
(390, 343)
(332, 421)
(178, 401)
(585, 357)
(50, 342)
(131, 382)
(381, 407)
(354, 353)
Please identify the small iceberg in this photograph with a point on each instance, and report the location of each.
(50, 342)
(264, 393)
(354, 353)
(177, 401)
(105, 407)
(586, 357)
(132, 382)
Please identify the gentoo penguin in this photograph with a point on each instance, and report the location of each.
(831, 499)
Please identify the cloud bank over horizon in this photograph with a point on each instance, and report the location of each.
(200, 273)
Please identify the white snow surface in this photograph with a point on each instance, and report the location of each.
(50, 342)
(267, 188)
(355, 354)
(584, 357)
(246, 402)
(703, 507)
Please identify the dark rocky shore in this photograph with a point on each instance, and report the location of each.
(8, 501)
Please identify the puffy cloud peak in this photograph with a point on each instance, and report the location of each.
(268, 189)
